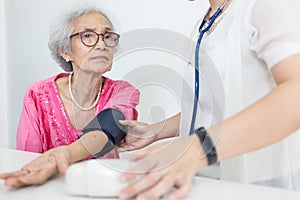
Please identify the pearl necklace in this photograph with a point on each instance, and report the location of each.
(77, 104)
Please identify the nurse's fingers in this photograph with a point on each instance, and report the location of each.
(162, 186)
(142, 167)
(140, 154)
(181, 192)
(136, 129)
(129, 123)
(139, 186)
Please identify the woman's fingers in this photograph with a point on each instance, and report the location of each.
(38, 177)
(13, 182)
(14, 174)
(11, 178)
(21, 179)
(39, 170)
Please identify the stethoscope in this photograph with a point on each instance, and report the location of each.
(202, 31)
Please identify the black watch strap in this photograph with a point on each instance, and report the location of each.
(207, 145)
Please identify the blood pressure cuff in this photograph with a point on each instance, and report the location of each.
(108, 122)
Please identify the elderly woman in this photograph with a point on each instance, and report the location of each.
(57, 111)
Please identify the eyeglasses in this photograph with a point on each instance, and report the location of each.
(91, 38)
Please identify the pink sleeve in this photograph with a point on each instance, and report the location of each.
(125, 98)
(28, 135)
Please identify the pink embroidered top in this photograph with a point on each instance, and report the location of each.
(44, 123)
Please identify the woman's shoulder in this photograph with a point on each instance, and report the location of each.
(120, 92)
(43, 86)
(118, 84)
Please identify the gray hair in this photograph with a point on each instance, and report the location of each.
(60, 31)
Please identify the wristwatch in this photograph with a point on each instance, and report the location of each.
(207, 145)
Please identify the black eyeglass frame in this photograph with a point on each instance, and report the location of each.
(98, 34)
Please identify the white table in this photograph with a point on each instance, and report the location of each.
(203, 188)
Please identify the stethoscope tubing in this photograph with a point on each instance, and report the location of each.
(197, 79)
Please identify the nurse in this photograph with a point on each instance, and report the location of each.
(251, 126)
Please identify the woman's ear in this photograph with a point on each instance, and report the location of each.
(65, 56)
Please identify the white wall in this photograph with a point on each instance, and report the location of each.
(156, 71)
(3, 80)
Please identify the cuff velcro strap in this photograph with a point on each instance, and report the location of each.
(108, 122)
(207, 145)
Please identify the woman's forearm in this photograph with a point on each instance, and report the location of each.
(89, 144)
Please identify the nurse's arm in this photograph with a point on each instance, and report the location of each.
(267, 121)
(141, 134)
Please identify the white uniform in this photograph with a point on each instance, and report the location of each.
(235, 62)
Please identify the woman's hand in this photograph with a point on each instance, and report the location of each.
(162, 167)
(139, 135)
(40, 169)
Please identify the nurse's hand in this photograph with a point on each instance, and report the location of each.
(40, 169)
(162, 167)
(139, 135)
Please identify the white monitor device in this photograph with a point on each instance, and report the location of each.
(96, 178)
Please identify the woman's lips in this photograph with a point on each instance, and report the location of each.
(100, 58)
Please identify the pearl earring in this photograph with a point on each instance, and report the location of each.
(67, 60)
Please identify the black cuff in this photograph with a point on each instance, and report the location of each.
(108, 122)
(106, 149)
(207, 145)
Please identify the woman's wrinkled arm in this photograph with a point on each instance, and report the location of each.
(56, 160)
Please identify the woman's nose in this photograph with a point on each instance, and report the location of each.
(100, 44)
